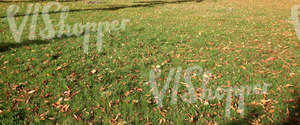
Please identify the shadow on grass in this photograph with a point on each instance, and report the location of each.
(9, 46)
(291, 119)
(148, 4)
(16, 116)
(254, 112)
(16, 1)
(33, 1)
(294, 116)
(163, 2)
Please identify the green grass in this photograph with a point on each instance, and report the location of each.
(253, 43)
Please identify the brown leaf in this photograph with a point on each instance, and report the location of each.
(64, 64)
(193, 60)
(239, 111)
(290, 100)
(67, 99)
(288, 85)
(271, 59)
(139, 89)
(58, 68)
(292, 74)
(76, 117)
(46, 61)
(265, 101)
(44, 114)
(19, 100)
(135, 101)
(243, 67)
(5, 62)
(65, 108)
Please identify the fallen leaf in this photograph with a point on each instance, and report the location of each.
(5, 62)
(243, 67)
(58, 68)
(64, 64)
(271, 111)
(67, 99)
(239, 111)
(292, 74)
(127, 93)
(20, 100)
(47, 54)
(271, 59)
(93, 71)
(76, 117)
(200, 33)
(193, 60)
(139, 89)
(206, 103)
(51, 118)
(265, 101)
(32, 91)
(65, 108)
(135, 101)
(288, 85)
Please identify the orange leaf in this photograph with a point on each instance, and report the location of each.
(65, 108)
(127, 93)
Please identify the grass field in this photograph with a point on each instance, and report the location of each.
(241, 42)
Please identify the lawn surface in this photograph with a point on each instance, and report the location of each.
(241, 42)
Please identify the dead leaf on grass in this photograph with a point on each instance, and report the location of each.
(93, 71)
